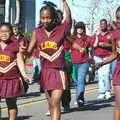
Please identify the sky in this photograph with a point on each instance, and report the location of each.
(77, 13)
(81, 9)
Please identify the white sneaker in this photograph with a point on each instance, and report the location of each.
(108, 95)
(101, 96)
(47, 113)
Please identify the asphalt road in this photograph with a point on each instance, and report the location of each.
(33, 106)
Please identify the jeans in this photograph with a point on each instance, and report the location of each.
(36, 61)
(36, 69)
(104, 82)
(113, 64)
(81, 71)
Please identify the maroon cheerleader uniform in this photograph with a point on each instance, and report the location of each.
(10, 78)
(116, 75)
(21, 39)
(53, 75)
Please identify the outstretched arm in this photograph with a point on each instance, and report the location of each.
(28, 51)
(109, 59)
(32, 43)
(67, 11)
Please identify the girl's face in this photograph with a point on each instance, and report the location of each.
(4, 33)
(79, 30)
(118, 17)
(15, 31)
(45, 18)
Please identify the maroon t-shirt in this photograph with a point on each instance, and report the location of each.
(78, 57)
(103, 52)
(8, 67)
(51, 47)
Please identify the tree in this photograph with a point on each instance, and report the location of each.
(7, 11)
(96, 10)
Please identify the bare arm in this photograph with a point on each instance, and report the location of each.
(108, 60)
(20, 63)
(78, 47)
(96, 41)
(67, 11)
(112, 24)
(32, 43)
(108, 44)
(101, 44)
(96, 36)
(111, 57)
(75, 45)
(104, 45)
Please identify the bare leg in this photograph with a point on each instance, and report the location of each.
(55, 104)
(12, 114)
(117, 106)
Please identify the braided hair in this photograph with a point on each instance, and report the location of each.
(52, 8)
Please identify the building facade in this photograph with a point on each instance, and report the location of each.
(2, 10)
(27, 13)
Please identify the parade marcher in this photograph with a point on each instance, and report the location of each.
(101, 52)
(66, 96)
(12, 71)
(81, 60)
(49, 37)
(116, 75)
(18, 35)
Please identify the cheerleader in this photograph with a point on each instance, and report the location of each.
(12, 71)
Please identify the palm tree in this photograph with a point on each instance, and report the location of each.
(7, 10)
(17, 20)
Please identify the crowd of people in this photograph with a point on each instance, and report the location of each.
(55, 52)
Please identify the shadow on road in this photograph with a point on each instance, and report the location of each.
(30, 95)
(94, 105)
(20, 118)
